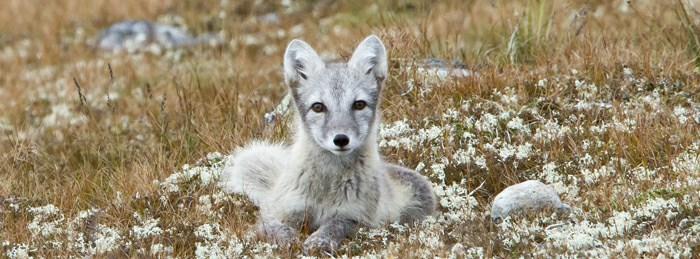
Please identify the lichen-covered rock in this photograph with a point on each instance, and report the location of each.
(443, 69)
(528, 196)
(131, 36)
(280, 110)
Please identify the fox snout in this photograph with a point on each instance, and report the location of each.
(341, 143)
(341, 140)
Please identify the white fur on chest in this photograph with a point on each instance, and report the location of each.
(324, 188)
(323, 191)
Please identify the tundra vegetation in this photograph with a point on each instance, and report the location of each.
(118, 154)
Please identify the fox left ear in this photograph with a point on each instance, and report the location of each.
(370, 58)
(300, 62)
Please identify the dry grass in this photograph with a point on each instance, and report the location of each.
(81, 129)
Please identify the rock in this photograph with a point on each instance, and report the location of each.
(280, 111)
(269, 18)
(431, 72)
(438, 69)
(132, 36)
(528, 196)
(442, 70)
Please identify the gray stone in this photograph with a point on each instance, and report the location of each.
(528, 196)
(270, 18)
(280, 110)
(131, 36)
(444, 70)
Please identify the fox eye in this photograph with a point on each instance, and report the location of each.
(359, 105)
(318, 107)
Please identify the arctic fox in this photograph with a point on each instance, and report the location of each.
(332, 179)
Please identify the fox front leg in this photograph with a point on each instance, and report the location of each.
(329, 235)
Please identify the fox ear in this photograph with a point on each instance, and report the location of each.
(370, 58)
(300, 61)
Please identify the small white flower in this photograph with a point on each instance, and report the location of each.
(681, 114)
(549, 173)
(420, 167)
(487, 123)
(523, 151)
(204, 205)
(106, 239)
(506, 151)
(149, 228)
(47, 221)
(463, 157)
(481, 162)
(452, 114)
(517, 124)
(627, 72)
(20, 251)
(655, 207)
(438, 170)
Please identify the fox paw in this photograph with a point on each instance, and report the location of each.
(317, 243)
(280, 235)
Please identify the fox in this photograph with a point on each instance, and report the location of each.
(332, 179)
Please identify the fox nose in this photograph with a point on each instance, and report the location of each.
(341, 140)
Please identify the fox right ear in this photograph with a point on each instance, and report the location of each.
(300, 61)
(370, 58)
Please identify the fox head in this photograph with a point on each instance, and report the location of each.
(338, 102)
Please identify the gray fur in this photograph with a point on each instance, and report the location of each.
(332, 189)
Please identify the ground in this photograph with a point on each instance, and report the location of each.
(117, 154)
